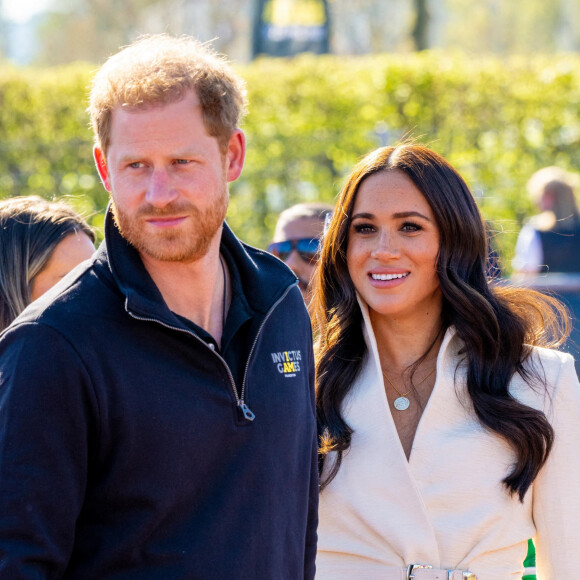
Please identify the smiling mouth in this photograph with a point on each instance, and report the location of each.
(385, 277)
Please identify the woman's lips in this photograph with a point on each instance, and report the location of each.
(387, 279)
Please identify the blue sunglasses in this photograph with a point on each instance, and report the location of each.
(307, 249)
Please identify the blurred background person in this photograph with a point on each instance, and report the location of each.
(550, 241)
(297, 240)
(40, 242)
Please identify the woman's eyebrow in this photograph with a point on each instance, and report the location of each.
(398, 215)
(406, 214)
(364, 215)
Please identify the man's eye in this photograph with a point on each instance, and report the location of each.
(135, 165)
(182, 161)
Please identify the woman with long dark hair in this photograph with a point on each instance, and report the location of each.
(448, 424)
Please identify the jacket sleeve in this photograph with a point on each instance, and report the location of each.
(311, 532)
(556, 492)
(44, 450)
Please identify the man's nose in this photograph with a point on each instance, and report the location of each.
(294, 261)
(160, 191)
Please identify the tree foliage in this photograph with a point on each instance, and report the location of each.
(312, 118)
(507, 27)
(91, 30)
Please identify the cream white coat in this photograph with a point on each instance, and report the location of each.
(446, 506)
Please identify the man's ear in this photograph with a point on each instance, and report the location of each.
(102, 168)
(235, 155)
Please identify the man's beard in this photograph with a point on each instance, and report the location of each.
(186, 243)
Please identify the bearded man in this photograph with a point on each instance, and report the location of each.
(156, 407)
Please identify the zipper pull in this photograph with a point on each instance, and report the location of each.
(246, 410)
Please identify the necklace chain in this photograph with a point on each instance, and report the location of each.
(396, 390)
(403, 396)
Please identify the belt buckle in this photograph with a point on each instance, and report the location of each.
(412, 567)
(465, 575)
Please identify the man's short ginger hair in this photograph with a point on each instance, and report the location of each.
(159, 70)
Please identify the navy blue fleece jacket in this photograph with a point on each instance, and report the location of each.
(124, 449)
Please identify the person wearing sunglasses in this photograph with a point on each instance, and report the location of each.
(297, 240)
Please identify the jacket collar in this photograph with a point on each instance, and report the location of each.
(263, 277)
(449, 351)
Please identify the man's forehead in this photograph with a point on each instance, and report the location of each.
(146, 105)
(177, 127)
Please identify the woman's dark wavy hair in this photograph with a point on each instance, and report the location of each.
(497, 324)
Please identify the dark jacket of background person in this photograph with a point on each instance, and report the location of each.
(561, 249)
(123, 453)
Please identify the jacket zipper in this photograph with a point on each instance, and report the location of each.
(246, 411)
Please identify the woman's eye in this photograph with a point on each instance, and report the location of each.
(411, 227)
(364, 228)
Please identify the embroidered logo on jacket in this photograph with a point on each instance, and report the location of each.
(287, 362)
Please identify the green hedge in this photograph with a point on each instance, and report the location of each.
(45, 140)
(312, 118)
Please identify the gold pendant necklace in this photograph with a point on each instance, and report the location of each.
(402, 403)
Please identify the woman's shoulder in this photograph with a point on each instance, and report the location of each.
(548, 358)
(551, 375)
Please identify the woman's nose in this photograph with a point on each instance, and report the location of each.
(387, 245)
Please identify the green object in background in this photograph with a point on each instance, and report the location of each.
(530, 563)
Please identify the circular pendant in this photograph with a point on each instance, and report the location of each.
(401, 403)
